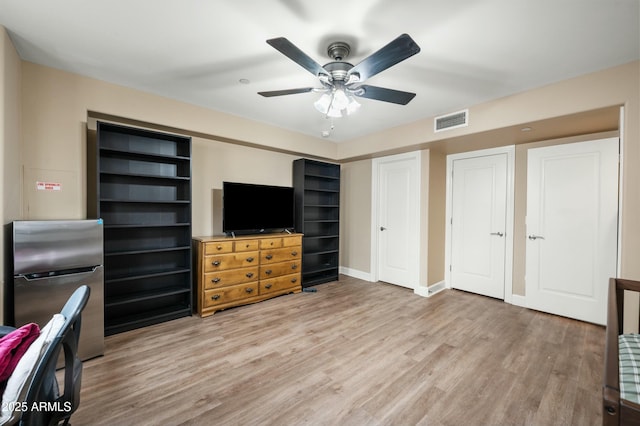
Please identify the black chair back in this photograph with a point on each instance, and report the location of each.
(43, 389)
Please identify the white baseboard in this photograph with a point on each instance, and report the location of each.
(421, 291)
(430, 290)
(519, 300)
(366, 276)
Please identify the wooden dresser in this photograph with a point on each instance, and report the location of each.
(233, 271)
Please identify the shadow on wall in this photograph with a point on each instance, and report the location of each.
(216, 216)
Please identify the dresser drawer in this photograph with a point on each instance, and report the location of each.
(295, 240)
(279, 255)
(218, 247)
(230, 261)
(219, 279)
(276, 284)
(247, 245)
(229, 294)
(269, 243)
(278, 269)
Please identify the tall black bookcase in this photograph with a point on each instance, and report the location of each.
(139, 183)
(317, 209)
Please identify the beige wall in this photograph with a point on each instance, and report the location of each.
(214, 162)
(355, 217)
(425, 201)
(437, 221)
(55, 106)
(615, 86)
(10, 152)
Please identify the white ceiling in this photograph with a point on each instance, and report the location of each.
(196, 51)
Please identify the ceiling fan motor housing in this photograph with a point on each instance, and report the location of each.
(338, 70)
(339, 51)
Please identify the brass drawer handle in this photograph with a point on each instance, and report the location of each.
(216, 263)
(219, 247)
(268, 286)
(249, 274)
(249, 289)
(215, 280)
(294, 253)
(215, 297)
(293, 280)
(294, 266)
(268, 271)
(268, 257)
(249, 259)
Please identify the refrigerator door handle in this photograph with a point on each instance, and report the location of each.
(68, 272)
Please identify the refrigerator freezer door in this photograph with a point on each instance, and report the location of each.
(46, 246)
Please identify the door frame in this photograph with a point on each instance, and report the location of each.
(375, 191)
(509, 229)
(620, 188)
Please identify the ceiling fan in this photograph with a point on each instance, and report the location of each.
(341, 81)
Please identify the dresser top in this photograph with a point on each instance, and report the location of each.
(244, 237)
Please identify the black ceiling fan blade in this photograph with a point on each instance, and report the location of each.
(385, 95)
(285, 92)
(296, 55)
(398, 50)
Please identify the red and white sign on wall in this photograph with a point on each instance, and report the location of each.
(48, 186)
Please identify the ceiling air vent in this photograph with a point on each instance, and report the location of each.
(451, 121)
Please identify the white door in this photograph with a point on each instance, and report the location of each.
(478, 224)
(572, 213)
(398, 224)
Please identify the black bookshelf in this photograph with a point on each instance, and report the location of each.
(317, 209)
(139, 183)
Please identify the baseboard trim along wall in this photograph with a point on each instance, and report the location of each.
(519, 300)
(420, 290)
(436, 288)
(366, 276)
(429, 291)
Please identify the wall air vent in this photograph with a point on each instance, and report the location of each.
(451, 121)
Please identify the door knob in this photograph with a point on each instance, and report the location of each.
(535, 237)
(499, 234)
(382, 228)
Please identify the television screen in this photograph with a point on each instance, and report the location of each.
(249, 208)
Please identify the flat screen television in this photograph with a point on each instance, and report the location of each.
(249, 208)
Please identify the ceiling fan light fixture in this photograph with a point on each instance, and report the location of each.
(341, 80)
(336, 104)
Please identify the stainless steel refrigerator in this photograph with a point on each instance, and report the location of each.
(51, 259)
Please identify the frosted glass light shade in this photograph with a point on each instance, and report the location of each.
(353, 106)
(336, 104)
(323, 103)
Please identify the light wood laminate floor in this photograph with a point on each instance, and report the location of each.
(354, 353)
